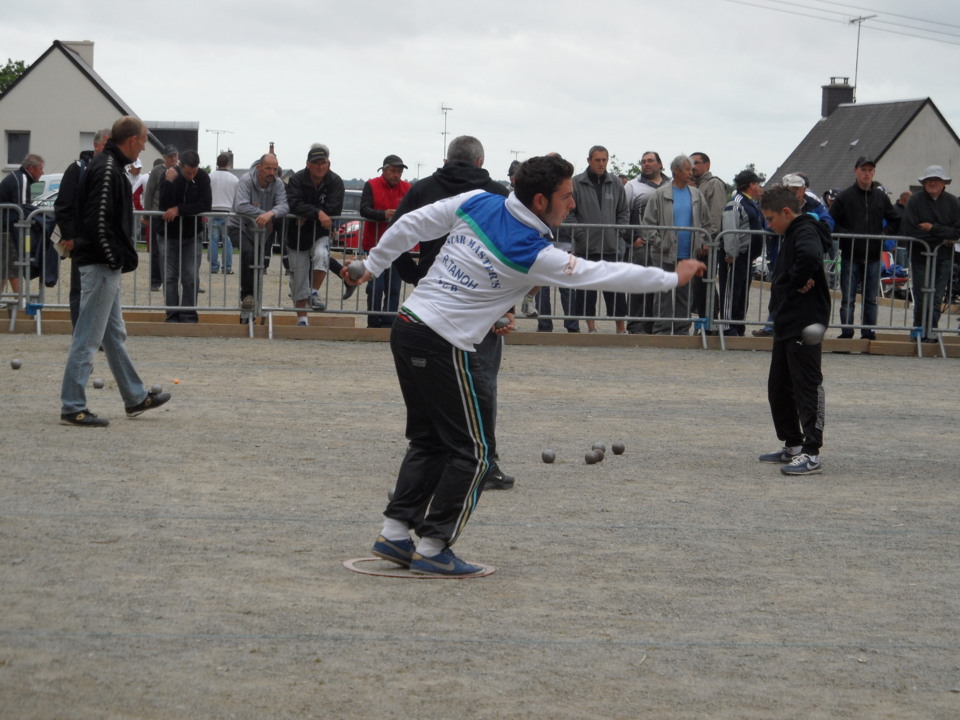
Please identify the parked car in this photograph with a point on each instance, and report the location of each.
(348, 230)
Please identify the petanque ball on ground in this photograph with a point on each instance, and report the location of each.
(600, 454)
(156, 389)
(389, 495)
(813, 334)
(97, 384)
(548, 456)
(16, 363)
(618, 448)
(599, 446)
(591, 458)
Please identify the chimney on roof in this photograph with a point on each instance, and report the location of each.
(838, 92)
(83, 48)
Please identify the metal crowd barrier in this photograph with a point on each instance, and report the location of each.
(727, 301)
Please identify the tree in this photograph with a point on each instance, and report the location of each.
(618, 168)
(10, 72)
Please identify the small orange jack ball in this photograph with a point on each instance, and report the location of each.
(176, 381)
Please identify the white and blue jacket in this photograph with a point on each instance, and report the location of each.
(496, 251)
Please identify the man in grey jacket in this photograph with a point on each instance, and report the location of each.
(600, 200)
(260, 199)
(679, 204)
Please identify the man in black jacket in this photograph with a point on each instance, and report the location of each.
(15, 190)
(104, 248)
(861, 209)
(461, 172)
(799, 297)
(184, 194)
(932, 215)
(65, 211)
(315, 195)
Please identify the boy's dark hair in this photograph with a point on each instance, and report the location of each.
(541, 175)
(780, 197)
(190, 158)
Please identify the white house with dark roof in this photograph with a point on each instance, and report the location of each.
(903, 137)
(57, 105)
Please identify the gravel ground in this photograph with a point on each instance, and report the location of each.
(188, 563)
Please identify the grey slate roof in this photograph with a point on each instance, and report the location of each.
(828, 153)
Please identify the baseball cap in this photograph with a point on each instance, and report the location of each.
(170, 150)
(393, 161)
(319, 152)
(793, 180)
(863, 160)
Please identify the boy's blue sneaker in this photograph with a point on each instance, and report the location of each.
(396, 551)
(802, 464)
(446, 563)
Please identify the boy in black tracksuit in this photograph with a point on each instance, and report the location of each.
(799, 297)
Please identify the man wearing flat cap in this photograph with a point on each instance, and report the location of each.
(932, 215)
(379, 200)
(862, 209)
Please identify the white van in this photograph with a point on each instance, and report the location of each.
(45, 184)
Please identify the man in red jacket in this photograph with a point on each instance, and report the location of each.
(380, 198)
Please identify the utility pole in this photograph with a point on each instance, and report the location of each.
(856, 69)
(516, 154)
(218, 133)
(444, 109)
(419, 165)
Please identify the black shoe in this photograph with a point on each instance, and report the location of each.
(153, 400)
(200, 290)
(156, 287)
(83, 418)
(762, 332)
(228, 272)
(868, 336)
(348, 291)
(845, 335)
(496, 480)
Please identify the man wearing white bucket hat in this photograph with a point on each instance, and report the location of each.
(932, 215)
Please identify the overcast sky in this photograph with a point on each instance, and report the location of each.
(739, 82)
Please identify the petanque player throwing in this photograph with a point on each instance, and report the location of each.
(497, 249)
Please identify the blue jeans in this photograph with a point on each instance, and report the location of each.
(217, 234)
(864, 276)
(99, 323)
(383, 293)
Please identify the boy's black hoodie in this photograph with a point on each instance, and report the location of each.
(800, 258)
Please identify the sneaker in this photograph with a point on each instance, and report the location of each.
(303, 322)
(83, 418)
(868, 336)
(762, 332)
(153, 400)
(396, 551)
(348, 291)
(316, 303)
(247, 303)
(214, 271)
(201, 290)
(156, 287)
(783, 455)
(529, 309)
(802, 464)
(496, 480)
(228, 271)
(446, 563)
